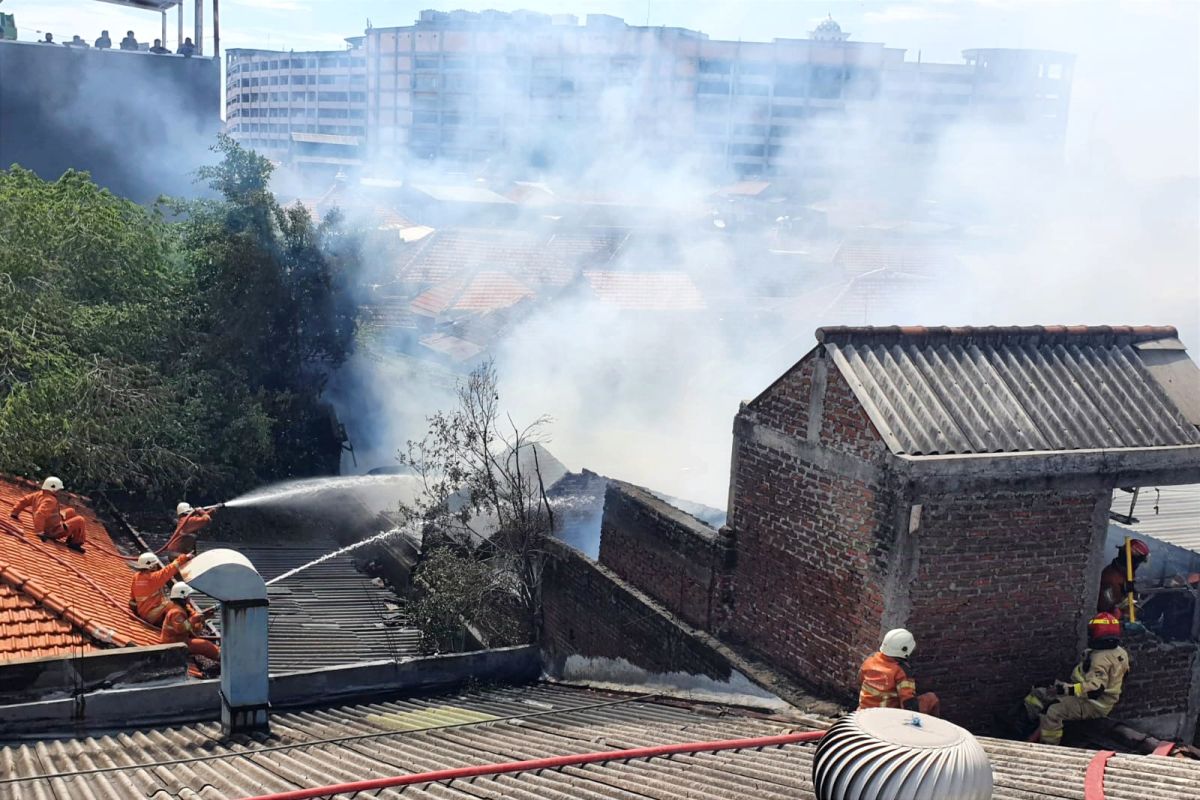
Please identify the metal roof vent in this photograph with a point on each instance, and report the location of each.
(892, 754)
(228, 576)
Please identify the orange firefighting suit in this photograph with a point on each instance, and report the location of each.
(148, 593)
(1095, 688)
(49, 519)
(179, 625)
(885, 684)
(183, 540)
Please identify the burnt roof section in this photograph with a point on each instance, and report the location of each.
(966, 390)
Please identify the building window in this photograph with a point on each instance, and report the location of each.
(425, 62)
(719, 66)
(712, 87)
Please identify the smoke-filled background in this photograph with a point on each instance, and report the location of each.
(1105, 233)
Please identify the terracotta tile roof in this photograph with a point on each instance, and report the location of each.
(538, 260)
(56, 599)
(29, 631)
(646, 291)
(482, 292)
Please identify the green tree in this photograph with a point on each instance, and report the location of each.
(273, 290)
(158, 355)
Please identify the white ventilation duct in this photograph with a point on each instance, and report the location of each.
(228, 576)
(891, 754)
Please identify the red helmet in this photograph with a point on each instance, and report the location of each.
(1138, 548)
(1104, 626)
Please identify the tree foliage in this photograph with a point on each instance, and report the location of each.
(485, 496)
(154, 354)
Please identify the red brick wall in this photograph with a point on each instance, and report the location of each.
(661, 550)
(812, 545)
(1161, 675)
(588, 611)
(995, 606)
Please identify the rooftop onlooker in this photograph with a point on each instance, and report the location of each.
(48, 40)
(76, 41)
(104, 43)
(187, 48)
(158, 49)
(129, 42)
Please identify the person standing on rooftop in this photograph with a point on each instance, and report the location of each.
(129, 42)
(104, 43)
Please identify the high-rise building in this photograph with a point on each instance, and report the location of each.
(466, 86)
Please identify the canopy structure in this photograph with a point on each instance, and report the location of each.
(162, 6)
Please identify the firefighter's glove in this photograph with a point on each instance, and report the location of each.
(1061, 688)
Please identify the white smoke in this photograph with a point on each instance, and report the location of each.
(650, 397)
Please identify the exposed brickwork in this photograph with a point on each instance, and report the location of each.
(995, 606)
(811, 562)
(1159, 677)
(662, 551)
(785, 404)
(845, 426)
(589, 612)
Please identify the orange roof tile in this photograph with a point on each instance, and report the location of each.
(482, 292)
(56, 600)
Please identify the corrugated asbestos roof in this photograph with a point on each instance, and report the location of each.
(328, 614)
(416, 735)
(999, 390)
(56, 600)
(1168, 513)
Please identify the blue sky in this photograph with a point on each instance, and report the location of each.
(1137, 87)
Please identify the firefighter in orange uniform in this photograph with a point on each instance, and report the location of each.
(885, 682)
(1113, 598)
(181, 624)
(50, 519)
(149, 592)
(191, 521)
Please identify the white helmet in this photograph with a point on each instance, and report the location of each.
(898, 643)
(148, 561)
(181, 591)
(183, 508)
(52, 484)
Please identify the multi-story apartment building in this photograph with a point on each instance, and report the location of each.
(298, 105)
(468, 86)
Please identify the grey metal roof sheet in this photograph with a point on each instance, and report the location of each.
(329, 614)
(414, 735)
(1168, 513)
(1002, 390)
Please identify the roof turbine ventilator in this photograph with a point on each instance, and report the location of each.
(892, 754)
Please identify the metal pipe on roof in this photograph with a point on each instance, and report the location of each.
(533, 765)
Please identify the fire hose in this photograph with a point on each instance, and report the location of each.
(541, 763)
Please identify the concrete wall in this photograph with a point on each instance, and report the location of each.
(36, 678)
(192, 701)
(671, 556)
(140, 123)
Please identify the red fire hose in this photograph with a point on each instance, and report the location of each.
(542, 763)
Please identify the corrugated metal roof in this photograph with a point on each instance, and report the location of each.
(994, 390)
(501, 725)
(1168, 513)
(328, 614)
(87, 592)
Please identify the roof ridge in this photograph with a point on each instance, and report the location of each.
(1135, 332)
